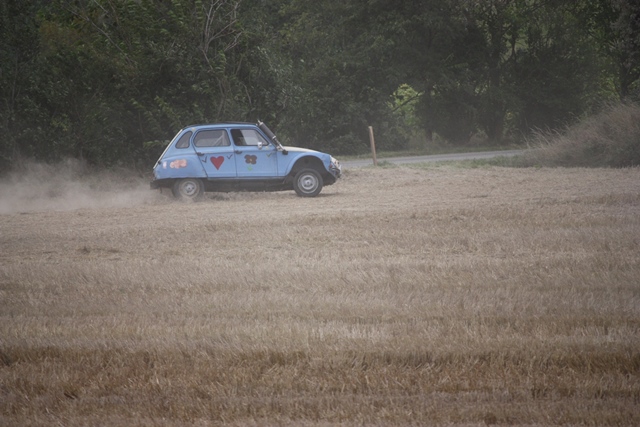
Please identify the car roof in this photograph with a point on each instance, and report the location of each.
(221, 124)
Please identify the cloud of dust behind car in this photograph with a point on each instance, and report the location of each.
(68, 185)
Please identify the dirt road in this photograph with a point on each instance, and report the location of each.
(433, 158)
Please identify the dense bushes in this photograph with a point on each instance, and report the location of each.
(111, 82)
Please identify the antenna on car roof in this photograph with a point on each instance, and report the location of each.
(272, 136)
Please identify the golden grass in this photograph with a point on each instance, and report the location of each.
(610, 138)
(398, 297)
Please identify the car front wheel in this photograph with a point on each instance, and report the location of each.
(188, 189)
(307, 183)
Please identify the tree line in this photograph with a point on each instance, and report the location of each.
(111, 81)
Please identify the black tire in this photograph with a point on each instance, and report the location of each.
(188, 189)
(307, 183)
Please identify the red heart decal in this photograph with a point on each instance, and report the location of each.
(217, 161)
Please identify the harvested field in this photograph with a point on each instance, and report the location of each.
(401, 296)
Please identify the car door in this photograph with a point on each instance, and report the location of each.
(215, 152)
(255, 157)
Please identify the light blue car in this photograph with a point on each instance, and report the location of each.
(239, 157)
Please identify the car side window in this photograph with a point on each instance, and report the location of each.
(183, 142)
(211, 138)
(247, 137)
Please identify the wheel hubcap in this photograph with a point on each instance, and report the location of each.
(189, 188)
(308, 183)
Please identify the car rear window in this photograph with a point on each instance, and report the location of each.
(212, 138)
(183, 142)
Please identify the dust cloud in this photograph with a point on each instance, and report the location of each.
(69, 185)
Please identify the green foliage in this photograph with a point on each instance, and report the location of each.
(339, 91)
(557, 67)
(112, 81)
(615, 25)
(108, 76)
(18, 53)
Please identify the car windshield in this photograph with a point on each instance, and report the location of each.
(270, 134)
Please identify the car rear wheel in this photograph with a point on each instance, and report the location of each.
(307, 183)
(188, 189)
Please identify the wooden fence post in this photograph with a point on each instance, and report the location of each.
(373, 146)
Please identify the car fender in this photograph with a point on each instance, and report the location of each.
(185, 166)
(310, 157)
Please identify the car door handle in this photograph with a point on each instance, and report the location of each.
(237, 151)
(199, 153)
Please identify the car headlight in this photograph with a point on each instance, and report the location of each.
(335, 165)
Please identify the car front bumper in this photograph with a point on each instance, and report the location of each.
(335, 168)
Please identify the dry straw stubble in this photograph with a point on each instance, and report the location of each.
(399, 296)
